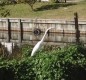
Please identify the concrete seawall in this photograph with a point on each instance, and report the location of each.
(27, 30)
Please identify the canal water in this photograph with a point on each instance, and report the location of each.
(50, 37)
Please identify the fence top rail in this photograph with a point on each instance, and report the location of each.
(46, 21)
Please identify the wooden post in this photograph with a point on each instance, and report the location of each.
(48, 33)
(65, 1)
(20, 31)
(77, 27)
(9, 30)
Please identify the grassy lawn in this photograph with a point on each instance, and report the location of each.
(48, 10)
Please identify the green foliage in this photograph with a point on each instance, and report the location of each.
(4, 1)
(4, 12)
(67, 63)
(26, 50)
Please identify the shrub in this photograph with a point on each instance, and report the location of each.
(67, 63)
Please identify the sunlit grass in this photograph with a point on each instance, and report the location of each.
(48, 10)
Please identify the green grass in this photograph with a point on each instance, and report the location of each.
(48, 10)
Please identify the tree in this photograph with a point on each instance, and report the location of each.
(55, 1)
(65, 1)
(31, 3)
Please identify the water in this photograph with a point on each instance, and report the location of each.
(30, 37)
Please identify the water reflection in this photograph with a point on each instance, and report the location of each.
(53, 37)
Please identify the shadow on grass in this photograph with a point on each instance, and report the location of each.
(4, 12)
(54, 6)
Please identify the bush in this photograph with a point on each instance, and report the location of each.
(68, 63)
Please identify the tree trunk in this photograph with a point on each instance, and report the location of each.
(65, 1)
(32, 7)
